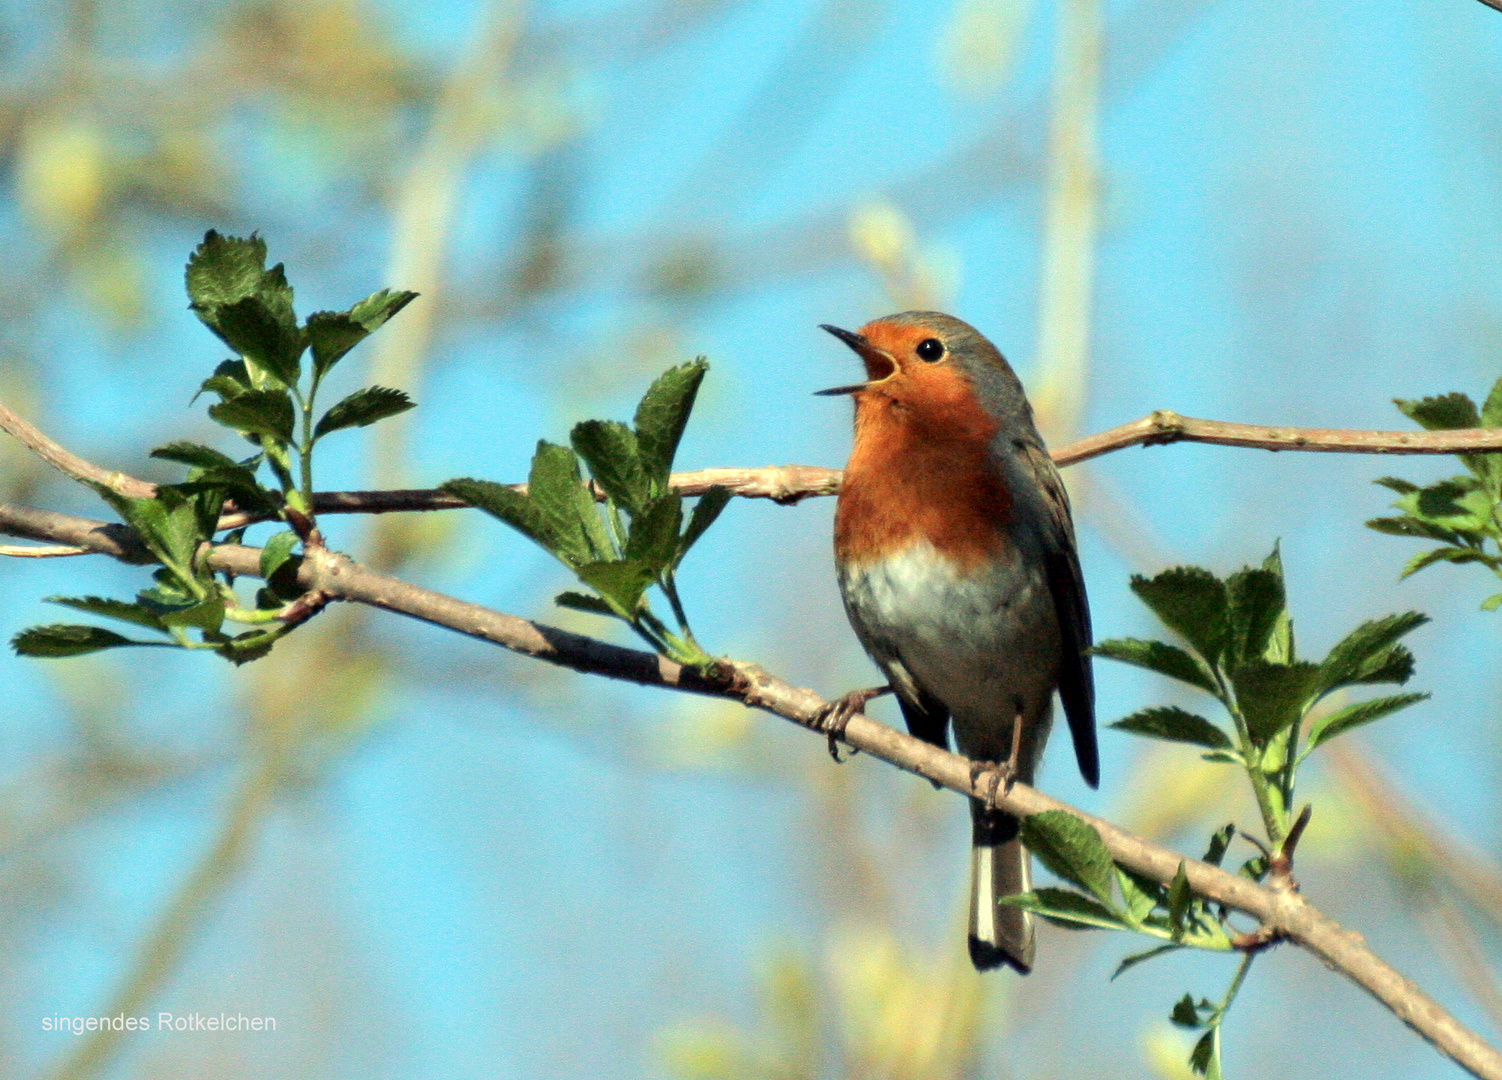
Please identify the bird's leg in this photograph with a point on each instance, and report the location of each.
(1003, 774)
(837, 714)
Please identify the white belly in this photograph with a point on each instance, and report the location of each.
(985, 644)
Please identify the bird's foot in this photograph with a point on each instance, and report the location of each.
(837, 714)
(1003, 774)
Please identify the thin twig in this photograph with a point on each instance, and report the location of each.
(44, 551)
(1283, 911)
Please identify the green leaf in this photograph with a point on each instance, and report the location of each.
(230, 379)
(1491, 411)
(1448, 554)
(557, 489)
(334, 333)
(1158, 656)
(1204, 1059)
(1192, 602)
(1367, 654)
(1180, 897)
(706, 510)
(195, 455)
(1142, 957)
(1066, 908)
(653, 541)
(662, 416)
(583, 602)
(1456, 505)
(373, 312)
(1255, 604)
(276, 551)
(362, 408)
(261, 335)
(1401, 486)
(609, 449)
(170, 524)
(1273, 696)
(620, 582)
(1413, 527)
(257, 412)
(1071, 849)
(508, 505)
(1186, 1013)
(1220, 840)
(1140, 893)
(1492, 603)
(206, 614)
(1363, 712)
(1445, 413)
(111, 609)
(62, 639)
(1175, 725)
(225, 269)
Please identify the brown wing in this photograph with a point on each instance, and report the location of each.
(1076, 681)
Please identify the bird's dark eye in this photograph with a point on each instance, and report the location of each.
(930, 349)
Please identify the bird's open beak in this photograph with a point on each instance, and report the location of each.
(879, 365)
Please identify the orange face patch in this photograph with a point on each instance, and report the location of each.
(922, 467)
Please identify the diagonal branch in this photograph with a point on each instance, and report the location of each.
(1282, 911)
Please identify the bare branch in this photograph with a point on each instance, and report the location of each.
(69, 462)
(1280, 909)
(45, 551)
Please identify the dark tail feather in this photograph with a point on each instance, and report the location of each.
(999, 866)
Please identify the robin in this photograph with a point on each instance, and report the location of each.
(957, 565)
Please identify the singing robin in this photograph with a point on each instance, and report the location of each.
(957, 565)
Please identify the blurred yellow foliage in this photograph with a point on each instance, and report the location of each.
(62, 171)
(977, 50)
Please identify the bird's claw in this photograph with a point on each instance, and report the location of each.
(1001, 775)
(837, 714)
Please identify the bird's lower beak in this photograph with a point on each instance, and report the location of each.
(879, 364)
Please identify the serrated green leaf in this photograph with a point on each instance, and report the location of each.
(621, 582)
(374, 311)
(196, 455)
(1138, 958)
(582, 602)
(1204, 1059)
(1450, 555)
(362, 408)
(230, 379)
(1367, 654)
(661, 418)
(706, 510)
(224, 269)
(1363, 712)
(207, 614)
(1173, 724)
(609, 448)
(653, 541)
(508, 505)
(1066, 908)
(1394, 483)
(111, 609)
(1185, 1013)
(1191, 602)
(1071, 849)
(331, 335)
(276, 551)
(1447, 412)
(1158, 656)
(257, 412)
(62, 639)
(1456, 505)
(1273, 696)
(170, 525)
(1413, 527)
(557, 489)
(261, 336)
(1255, 604)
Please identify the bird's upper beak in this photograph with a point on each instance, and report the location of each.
(879, 363)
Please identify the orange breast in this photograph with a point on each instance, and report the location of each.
(922, 469)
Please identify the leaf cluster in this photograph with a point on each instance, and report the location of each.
(1239, 648)
(640, 535)
(1463, 513)
(264, 394)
